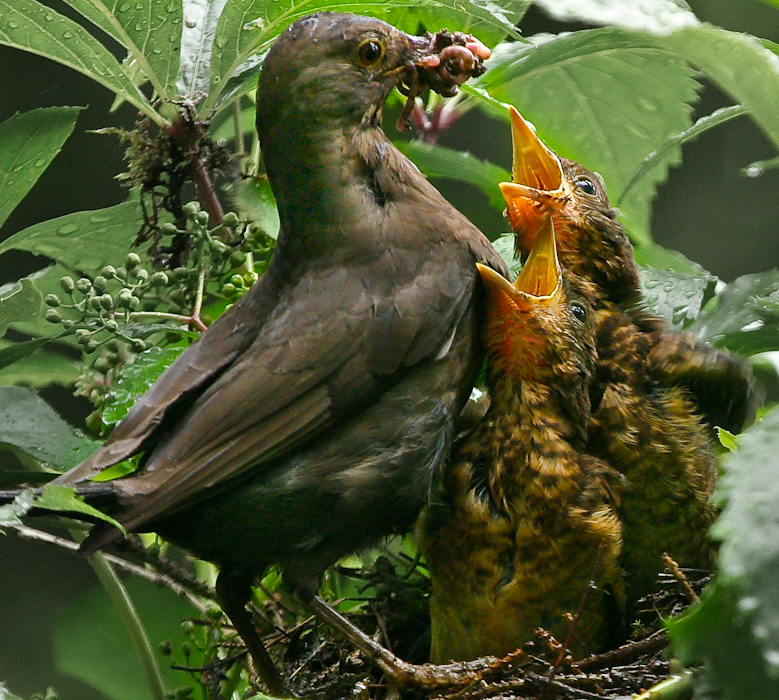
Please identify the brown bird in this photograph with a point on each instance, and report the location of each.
(308, 421)
(594, 246)
(645, 420)
(524, 524)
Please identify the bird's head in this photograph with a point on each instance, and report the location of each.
(539, 327)
(339, 66)
(591, 242)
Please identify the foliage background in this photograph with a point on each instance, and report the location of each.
(706, 209)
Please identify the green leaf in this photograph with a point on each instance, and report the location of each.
(197, 41)
(36, 368)
(91, 643)
(739, 65)
(704, 124)
(736, 628)
(666, 259)
(18, 300)
(31, 26)
(438, 161)
(253, 198)
(6, 694)
(740, 322)
(150, 31)
(727, 439)
(136, 378)
(65, 499)
(675, 296)
(30, 425)
(28, 143)
(84, 240)
(11, 514)
(504, 244)
(604, 97)
(656, 16)
(246, 28)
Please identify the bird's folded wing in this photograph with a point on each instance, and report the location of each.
(313, 362)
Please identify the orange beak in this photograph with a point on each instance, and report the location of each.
(537, 178)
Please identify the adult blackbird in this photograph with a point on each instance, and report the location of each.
(524, 531)
(651, 381)
(308, 421)
(594, 246)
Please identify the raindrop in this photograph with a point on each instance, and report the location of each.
(755, 325)
(138, 27)
(651, 300)
(679, 315)
(651, 284)
(754, 171)
(66, 229)
(67, 35)
(13, 25)
(48, 18)
(748, 604)
(191, 24)
(40, 162)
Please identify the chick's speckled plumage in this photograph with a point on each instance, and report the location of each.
(525, 519)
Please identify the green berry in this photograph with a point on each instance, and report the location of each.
(102, 365)
(67, 284)
(237, 280)
(135, 302)
(121, 273)
(159, 279)
(106, 301)
(191, 208)
(83, 336)
(139, 345)
(202, 218)
(100, 283)
(180, 273)
(142, 274)
(132, 261)
(217, 247)
(231, 219)
(111, 324)
(53, 316)
(109, 270)
(67, 324)
(169, 229)
(166, 648)
(84, 285)
(228, 289)
(91, 346)
(113, 345)
(124, 297)
(52, 300)
(237, 259)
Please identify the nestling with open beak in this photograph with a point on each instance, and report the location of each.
(525, 522)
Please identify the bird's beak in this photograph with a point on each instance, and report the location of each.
(540, 280)
(537, 180)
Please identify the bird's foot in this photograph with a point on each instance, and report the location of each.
(399, 673)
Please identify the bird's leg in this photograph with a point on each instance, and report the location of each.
(233, 593)
(400, 673)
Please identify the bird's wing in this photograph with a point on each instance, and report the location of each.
(328, 347)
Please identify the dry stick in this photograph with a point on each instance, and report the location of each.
(158, 579)
(624, 654)
(680, 577)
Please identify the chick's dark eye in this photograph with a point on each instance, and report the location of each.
(579, 311)
(586, 185)
(370, 52)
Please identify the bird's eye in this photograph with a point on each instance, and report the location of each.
(370, 52)
(586, 185)
(579, 311)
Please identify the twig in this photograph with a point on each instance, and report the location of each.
(219, 663)
(624, 654)
(157, 578)
(680, 577)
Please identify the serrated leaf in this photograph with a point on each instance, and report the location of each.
(739, 322)
(736, 629)
(12, 513)
(150, 31)
(31, 26)
(604, 97)
(18, 300)
(28, 143)
(35, 368)
(91, 643)
(248, 27)
(84, 240)
(656, 16)
(65, 499)
(29, 424)
(675, 296)
(136, 378)
(739, 65)
(439, 161)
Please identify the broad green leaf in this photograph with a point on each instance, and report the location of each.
(676, 297)
(739, 65)
(438, 161)
(85, 240)
(253, 199)
(149, 30)
(18, 301)
(248, 27)
(6, 694)
(12, 513)
(136, 379)
(30, 425)
(30, 26)
(740, 322)
(28, 143)
(656, 16)
(65, 499)
(35, 368)
(727, 439)
(91, 643)
(197, 40)
(736, 629)
(666, 259)
(604, 97)
(504, 244)
(701, 126)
